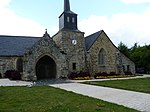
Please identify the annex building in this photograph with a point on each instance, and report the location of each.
(67, 51)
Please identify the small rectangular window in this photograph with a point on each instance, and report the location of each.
(128, 68)
(123, 68)
(74, 66)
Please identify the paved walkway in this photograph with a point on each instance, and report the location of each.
(135, 100)
(7, 82)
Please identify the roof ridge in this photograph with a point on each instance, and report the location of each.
(94, 33)
(19, 36)
(90, 40)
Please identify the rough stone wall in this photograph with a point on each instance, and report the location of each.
(45, 47)
(64, 53)
(114, 59)
(75, 53)
(110, 58)
(127, 62)
(7, 63)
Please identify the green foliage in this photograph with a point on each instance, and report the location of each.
(139, 54)
(123, 48)
(48, 99)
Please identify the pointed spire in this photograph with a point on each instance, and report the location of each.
(66, 5)
(68, 19)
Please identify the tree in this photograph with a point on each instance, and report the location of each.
(139, 54)
(132, 49)
(124, 49)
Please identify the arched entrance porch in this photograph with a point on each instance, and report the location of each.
(46, 68)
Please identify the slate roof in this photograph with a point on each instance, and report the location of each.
(90, 40)
(16, 45)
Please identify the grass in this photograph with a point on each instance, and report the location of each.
(48, 99)
(139, 85)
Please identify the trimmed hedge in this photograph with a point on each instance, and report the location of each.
(100, 74)
(0, 75)
(82, 75)
(128, 73)
(105, 75)
(112, 73)
(13, 75)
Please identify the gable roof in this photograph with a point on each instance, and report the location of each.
(90, 40)
(16, 45)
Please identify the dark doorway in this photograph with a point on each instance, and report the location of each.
(46, 68)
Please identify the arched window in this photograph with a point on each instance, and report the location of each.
(102, 57)
(19, 64)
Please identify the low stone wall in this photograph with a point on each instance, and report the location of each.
(7, 63)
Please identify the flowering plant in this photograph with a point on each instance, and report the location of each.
(79, 76)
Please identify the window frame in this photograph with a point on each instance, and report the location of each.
(102, 57)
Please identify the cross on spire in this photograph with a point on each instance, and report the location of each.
(66, 5)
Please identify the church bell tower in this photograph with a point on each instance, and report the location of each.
(68, 19)
(70, 40)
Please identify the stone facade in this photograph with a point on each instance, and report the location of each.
(75, 52)
(69, 57)
(45, 47)
(127, 64)
(8, 63)
(67, 51)
(113, 59)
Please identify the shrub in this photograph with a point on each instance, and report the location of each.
(72, 75)
(0, 75)
(80, 75)
(112, 74)
(13, 75)
(117, 74)
(104, 74)
(128, 73)
(7, 74)
(97, 74)
(84, 74)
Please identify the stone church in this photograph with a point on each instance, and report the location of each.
(67, 51)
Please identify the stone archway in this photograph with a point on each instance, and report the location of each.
(46, 68)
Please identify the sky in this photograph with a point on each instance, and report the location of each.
(122, 20)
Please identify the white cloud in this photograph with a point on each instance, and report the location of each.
(4, 3)
(12, 24)
(135, 1)
(126, 27)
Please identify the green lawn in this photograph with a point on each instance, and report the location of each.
(139, 85)
(48, 99)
